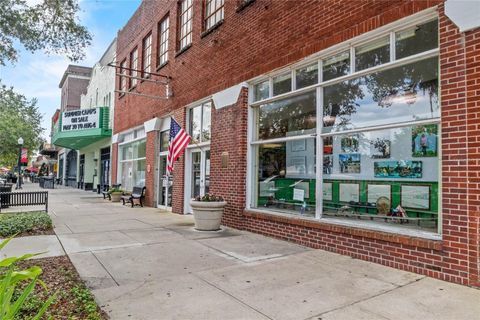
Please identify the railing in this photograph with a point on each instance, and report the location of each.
(16, 199)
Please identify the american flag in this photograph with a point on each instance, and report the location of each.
(178, 141)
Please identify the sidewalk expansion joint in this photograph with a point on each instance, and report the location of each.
(106, 270)
(232, 296)
(367, 298)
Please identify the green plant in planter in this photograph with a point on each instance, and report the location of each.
(115, 190)
(10, 278)
(209, 198)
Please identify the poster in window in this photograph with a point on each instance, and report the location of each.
(327, 164)
(424, 140)
(327, 191)
(349, 163)
(415, 197)
(380, 148)
(350, 144)
(349, 192)
(375, 191)
(398, 169)
(298, 145)
(297, 166)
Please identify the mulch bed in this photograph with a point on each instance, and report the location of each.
(36, 232)
(74, 300)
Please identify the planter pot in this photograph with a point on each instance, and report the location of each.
(207, 215)
(115, 197)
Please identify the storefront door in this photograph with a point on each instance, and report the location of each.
(199, 167)
(164, 181)
(104, 168)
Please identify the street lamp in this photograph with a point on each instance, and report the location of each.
(20, 143)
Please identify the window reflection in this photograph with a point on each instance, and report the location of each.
(195, 122)
(307, 76)
(404, 93)
(372, 54)
(418, 39)
(287, 117)
(336, 66)
(282, 84)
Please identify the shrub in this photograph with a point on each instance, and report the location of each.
(17, 223)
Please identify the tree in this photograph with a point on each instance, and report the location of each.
(19, 117)
(50, 25)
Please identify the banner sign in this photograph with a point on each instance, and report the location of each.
(80, 119)
(24, 157)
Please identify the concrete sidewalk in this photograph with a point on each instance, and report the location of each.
(143, 263)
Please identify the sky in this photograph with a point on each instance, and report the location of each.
(37, 75)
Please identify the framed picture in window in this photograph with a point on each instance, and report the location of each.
(424, 140)
(298, 145)
(415, 196)
(375, 191)
(327, 191)
(349, 192)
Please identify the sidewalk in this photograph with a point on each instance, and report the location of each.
(144, 263)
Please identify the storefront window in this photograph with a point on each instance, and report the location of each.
(417, 39)
(262, 91)
(401, 94)
(372, 54)
(379, 133)
(286, 176)
(287, 117)
(282, 84)
(336, 66)
(164, 137)
(307, 76)
(132, 164)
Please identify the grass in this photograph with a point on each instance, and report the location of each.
(22, 224)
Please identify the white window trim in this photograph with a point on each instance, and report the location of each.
(402, 24)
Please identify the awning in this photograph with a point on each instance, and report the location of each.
(80, 139)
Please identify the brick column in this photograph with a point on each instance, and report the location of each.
(229, 140)
(114, 163)
(151, 167)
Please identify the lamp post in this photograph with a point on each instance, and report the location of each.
(20, 144)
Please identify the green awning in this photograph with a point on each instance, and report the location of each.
(81, 138)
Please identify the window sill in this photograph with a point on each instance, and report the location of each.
(414, 238)
(162, 65)
(244, 4)
(212, 28)
(183, 50)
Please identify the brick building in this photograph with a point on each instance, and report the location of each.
(349, 126)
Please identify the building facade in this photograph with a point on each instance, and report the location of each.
(345, 126)
(86, 131)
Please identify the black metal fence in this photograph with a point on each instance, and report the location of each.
(16, 199)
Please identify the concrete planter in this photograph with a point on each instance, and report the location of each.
(115, 196)
(207, 215)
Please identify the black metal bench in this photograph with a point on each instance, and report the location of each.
(106, 193)
(16, 199)
(138, 193)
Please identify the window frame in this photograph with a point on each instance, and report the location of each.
(147, 55)
(123, 80)
(194, 144)
(186, 24)
(253, 142)
(207, 16)
(162, 42)
(133, 68)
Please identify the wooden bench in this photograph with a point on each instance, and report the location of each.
(138, 193)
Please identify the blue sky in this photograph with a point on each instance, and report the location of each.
(38, 75)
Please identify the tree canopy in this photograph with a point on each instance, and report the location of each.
(19, 117)
(50, 25)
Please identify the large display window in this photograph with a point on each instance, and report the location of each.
(132, 164)
(362, 142)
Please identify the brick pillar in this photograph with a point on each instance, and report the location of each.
(460, 80)
(114, 163)
(229, 140)
(151, 167)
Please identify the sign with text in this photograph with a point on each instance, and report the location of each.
(81, 119)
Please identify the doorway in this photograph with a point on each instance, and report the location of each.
(199, 175)
(104, 168)
(165, 184)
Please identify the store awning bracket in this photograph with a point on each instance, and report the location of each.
(145, 77)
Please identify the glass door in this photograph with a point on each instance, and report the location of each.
(200, 173)
(164, 193)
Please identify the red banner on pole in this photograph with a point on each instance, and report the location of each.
(24, 157)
